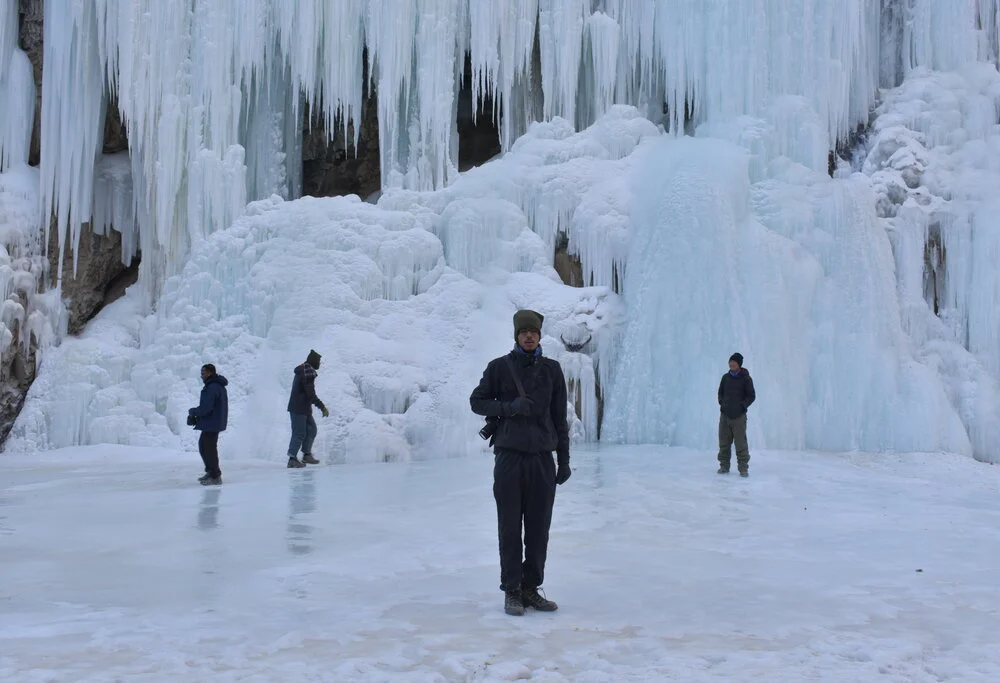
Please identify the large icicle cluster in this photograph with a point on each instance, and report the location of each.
(211, 91)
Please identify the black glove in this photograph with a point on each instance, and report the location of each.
(192, 420)
(563, 473)
(519, 406)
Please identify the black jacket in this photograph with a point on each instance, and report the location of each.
(212, 412)
(303, 396)
(545, 429)
(736, 394)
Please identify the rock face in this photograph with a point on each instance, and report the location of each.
(99, 277)
(334, 167)
(18, 370)
(30, 40)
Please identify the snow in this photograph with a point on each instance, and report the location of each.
(406, 300)
(825, 567)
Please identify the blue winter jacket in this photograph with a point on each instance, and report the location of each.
(213, 411)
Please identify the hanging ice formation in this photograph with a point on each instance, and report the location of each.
(23, 315)
(211, 91)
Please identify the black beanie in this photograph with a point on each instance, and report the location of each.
(738, 357)
(313, 359)
(527, 320)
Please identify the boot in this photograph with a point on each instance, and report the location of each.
(744, 472)
(532, 598)
(723, 469)
(512, 604)
(210, 481)
(308, 459)
(294, 462)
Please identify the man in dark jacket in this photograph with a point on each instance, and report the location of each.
(210, 417)
(523, 395)
(736, 393)
(300, 404)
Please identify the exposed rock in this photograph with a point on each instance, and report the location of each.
(30, 40)
(478, 136)
(115, 137)
(334, 167)
(18, 371)
(566, 265)
(99, 272)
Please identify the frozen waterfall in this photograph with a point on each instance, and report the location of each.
(679, 149)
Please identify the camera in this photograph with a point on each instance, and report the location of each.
(490, 428)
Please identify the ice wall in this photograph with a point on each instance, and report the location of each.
(794, 272)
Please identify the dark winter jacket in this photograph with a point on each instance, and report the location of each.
(736, 393)
(303, 396)
(545, 428)
(212, 412)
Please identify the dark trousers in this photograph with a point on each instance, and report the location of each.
(208, 446)
(730, 430)
(303, 434)
(524, 486)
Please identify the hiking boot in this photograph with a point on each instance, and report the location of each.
(294, 462)
(532, 598)
(202, 478)
(723, 469)
(512, 604)
(308, 459)
(210, 481)
(744, 473)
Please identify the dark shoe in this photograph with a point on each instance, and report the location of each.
(723, 469)
(204, 477)
(308, 459)
(512, 604)
(744, 473)
(294, 462)
(532, 598)
(210, 481)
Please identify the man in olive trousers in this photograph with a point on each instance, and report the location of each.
(736, 393)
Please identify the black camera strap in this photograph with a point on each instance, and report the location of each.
(513, 373)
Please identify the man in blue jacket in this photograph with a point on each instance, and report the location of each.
(211, 417)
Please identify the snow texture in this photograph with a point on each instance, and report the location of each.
(820, 567)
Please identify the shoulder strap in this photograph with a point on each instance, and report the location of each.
(513, 373)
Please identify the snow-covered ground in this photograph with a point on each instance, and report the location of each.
(820, 567)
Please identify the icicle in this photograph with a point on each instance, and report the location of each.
(72, 117)
(8, 35)
(602, 40)
(17, 114)
(390, 32)
(114, 204)
(560, 35)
